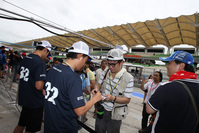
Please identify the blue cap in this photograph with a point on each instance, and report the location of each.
(180, 56)
(49, 55)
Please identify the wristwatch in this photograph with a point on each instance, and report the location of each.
(114, 99)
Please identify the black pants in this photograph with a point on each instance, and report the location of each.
(106, 124)
(145, 117)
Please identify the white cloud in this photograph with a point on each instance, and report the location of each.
(80, 15)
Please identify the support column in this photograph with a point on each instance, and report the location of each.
(129, 50)
(197, 51)
(169, 48)
(145, 50)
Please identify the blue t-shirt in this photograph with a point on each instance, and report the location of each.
(3, 58)
(63, 94)
(85, 81)
(32, 69)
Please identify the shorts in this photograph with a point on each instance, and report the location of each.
(31, 118)
(145, 90)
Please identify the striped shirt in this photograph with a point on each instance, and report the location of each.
(113, 84)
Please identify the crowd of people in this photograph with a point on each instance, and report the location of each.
(61, 92)
(10, 60)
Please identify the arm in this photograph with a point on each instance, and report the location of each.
(18, 76)
(123, 100)
(97, 88)
(157, 100)
(149, 109)
(142, 84)
(17, 54)
(39, 85)
(127, 94)
(83, 109)
(92, 83)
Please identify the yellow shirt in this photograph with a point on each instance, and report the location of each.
(90, 74)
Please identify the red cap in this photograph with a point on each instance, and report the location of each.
(24, 54)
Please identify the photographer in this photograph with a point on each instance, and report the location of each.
(116, 85)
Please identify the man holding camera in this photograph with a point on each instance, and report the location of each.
(116, 85)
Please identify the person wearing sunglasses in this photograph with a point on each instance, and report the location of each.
(116, 85)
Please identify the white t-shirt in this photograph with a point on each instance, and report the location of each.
(151, 87)
(99, 73)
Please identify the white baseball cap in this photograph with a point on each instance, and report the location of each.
(80, 47)
(45, 44)
(115, 54)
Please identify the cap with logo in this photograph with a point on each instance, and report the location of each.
(180, 56)
(45, 44)
(115, 54)
(81, 48)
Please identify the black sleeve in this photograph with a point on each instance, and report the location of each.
(158, 99)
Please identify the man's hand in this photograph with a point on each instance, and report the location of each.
(109, 97)
(96, 89)
(97, 96)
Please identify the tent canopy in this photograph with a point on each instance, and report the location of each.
(169, 32)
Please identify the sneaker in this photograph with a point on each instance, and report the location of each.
(140, 131)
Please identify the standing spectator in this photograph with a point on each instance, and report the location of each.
(85, 89)
(23, 55)
(31, 94)
(117, 87)
(101, 70)
(171, 101)
(15, 59)
(2, 48)
(98, 74)
(91, 66)
(150, 79)
(56, 61)
(151, 87)
(91, 78)
(64, 100)
(91, 75)
(3, 62)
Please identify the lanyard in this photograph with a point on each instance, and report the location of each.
(111, 85)
(68, 65)
(154, 87)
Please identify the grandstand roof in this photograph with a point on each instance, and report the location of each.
(169, 32)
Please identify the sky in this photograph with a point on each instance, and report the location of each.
(78, 15)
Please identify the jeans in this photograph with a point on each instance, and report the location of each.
(15, 70)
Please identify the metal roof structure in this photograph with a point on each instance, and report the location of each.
(170, 31)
